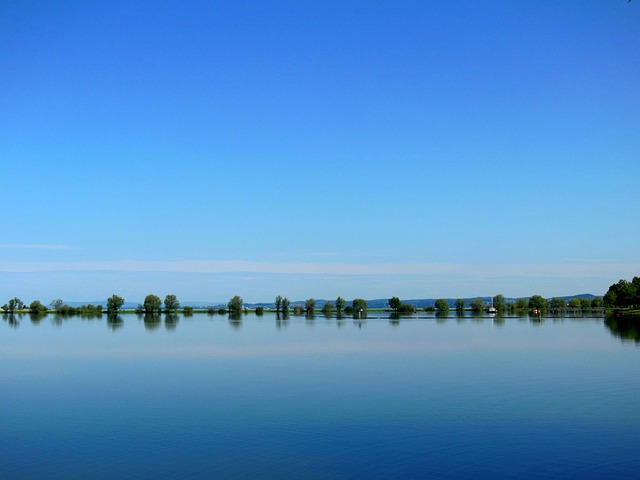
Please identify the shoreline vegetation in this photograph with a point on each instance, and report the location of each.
(621, 300)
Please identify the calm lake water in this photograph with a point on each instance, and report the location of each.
(205, 397)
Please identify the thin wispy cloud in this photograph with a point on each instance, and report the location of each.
(34, 246)
(570, 269)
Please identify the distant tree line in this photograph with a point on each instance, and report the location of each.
(499, 304)
(622, 294)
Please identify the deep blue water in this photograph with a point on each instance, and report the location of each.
(204, 397)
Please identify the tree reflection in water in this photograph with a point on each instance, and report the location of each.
(12, 319)
(151, 321)
(171, 321)
(235, 320)
(625, 328)
(115, 322)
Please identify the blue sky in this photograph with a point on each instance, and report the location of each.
(317, 149)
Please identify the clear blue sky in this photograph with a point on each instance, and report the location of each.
(317, 149)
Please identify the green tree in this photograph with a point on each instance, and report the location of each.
(587, 303)
(558, 304)
(187, 311)
(326, 309)
(359, 304)
(442, 305)
(521, 304)
(66, 310)
(460, 304)
(15, 304)
(406, 308)
(575, 304)
(37, 307)
(340, 304)
(297, 310)
(235, 305)
(152, 304)
(394, 303)
(278, 303)
(285, 306)
(623, 294)
(114, 303)
(499, 303)
(259, 311)
(171, 303)
(56, 304)
(310, 306)
(537, 302)
(477, 305)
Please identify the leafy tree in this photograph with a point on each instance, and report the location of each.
(359, 304)
(152, 304)
(460, 303)
(597, 302)
(499, 302)
(575, 304)
(442, 305)
(88, 310)
(259, 311)
(359, 308)
(636, 286)
(537, 302)
(235, 305)
(56, 304)
(586, 303)
(477, 305)
(187, 311)
(114, 303)
(139, 309)
(623, 294)
(171, 303)
(14, 304)
(558, 304)
(406, 308)
(610, 298)
(326, 309)
(66, 310)
(278, 303)
(521, 304)
(310, 306)
(37, 307)
(285, 305)
(297, 310)
(394, 303)
(340, 304)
